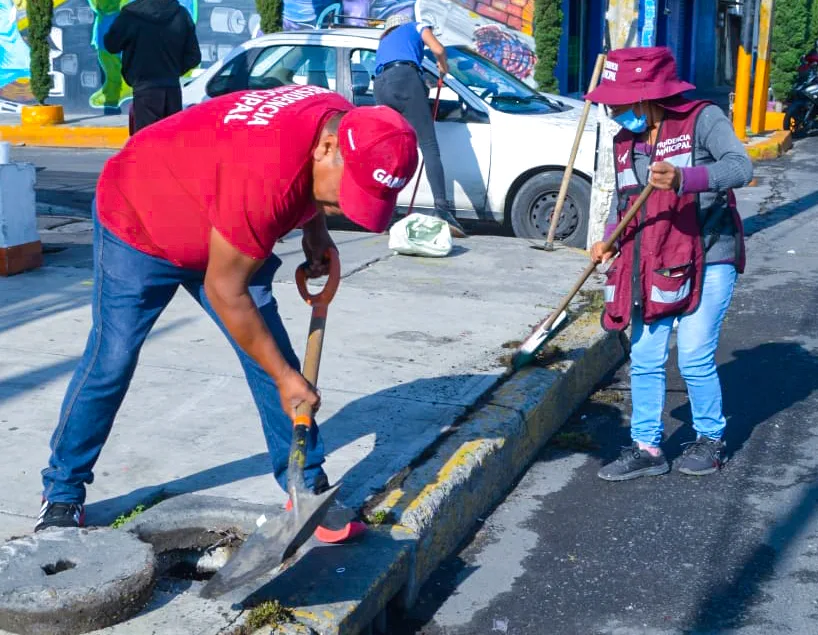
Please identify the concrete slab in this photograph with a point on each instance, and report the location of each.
(67, 581)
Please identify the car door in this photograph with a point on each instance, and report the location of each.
(463, 132)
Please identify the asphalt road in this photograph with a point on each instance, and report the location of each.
(65, 178)
(736, 552)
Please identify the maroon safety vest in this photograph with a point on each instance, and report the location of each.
(660, 266)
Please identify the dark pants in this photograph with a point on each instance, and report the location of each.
(154, 103)
(402, 89)
(131, 289)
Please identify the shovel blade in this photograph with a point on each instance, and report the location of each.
(271, 544)
(528, 350)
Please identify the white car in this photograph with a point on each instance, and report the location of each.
(504, 146)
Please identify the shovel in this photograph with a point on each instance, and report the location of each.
(276, 540)
(545, 329)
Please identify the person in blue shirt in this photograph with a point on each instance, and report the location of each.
(399, 84)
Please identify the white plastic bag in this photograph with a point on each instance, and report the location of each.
(421, 235)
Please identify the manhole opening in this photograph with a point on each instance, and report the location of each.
(58, 567)
(187, 564)
(195, 563)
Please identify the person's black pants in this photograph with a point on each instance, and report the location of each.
(153, 103)
(402, 89)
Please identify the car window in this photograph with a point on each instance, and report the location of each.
(495, 86)
(451, 107)
(291, 64)
(230, 78)
(362, 66)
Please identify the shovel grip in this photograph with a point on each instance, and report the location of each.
(325, 296)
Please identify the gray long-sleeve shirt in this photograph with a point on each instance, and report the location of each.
(720, 163)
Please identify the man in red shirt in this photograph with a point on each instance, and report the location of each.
(199, 200)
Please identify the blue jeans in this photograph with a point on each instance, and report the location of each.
(130, 291)
(697, 339)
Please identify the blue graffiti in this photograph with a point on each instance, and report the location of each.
(649, 26)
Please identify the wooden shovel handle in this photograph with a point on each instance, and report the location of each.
(315, 340)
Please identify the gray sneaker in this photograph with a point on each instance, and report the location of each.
(701, 457)
(633, 463)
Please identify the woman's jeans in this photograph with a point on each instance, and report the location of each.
(697, 339)
(130, 291)
(402, 89)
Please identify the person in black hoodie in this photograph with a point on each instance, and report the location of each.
(157, 39)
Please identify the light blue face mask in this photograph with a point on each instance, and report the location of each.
(630, 121)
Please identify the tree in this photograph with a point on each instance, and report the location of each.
(271, 13)
(791, 32)
(39, 28)
(547, 33)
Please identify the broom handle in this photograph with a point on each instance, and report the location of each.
(608, 245)
(569, 169)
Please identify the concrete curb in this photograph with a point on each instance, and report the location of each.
(770, 147)
(437, 502)
(66, 136)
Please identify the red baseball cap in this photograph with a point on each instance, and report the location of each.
(638, 74)
(380, 154)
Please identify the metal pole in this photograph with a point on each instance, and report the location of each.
(743, 72)
(762, 72)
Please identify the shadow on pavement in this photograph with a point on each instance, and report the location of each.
(757, 384)
(770, 218)
(14, 386)
(371, 473)
(725, 605)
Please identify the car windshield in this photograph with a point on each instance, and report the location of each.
(495, 86)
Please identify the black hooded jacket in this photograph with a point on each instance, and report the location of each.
(157, 39)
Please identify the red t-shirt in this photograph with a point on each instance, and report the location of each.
(240, 163)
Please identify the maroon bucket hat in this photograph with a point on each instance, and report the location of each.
(638, 74)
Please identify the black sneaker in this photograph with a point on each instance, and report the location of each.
(633, 463)
(60, 515)
(701, 457)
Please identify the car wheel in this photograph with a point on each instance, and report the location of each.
(534, 204)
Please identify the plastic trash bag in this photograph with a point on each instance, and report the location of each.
(421, 235)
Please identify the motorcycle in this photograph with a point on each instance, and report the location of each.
(801, 117)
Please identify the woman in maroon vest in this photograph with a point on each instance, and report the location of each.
(678, 260)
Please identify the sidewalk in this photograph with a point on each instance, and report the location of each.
(415, 394)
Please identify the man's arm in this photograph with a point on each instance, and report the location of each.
(114, 39)
(437, 49)
(226, 284)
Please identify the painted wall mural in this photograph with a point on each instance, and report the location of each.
(86, 79)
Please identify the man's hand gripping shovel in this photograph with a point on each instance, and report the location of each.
(278, 539)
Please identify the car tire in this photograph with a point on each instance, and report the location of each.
(535, 201)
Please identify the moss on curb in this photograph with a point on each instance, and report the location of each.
(123, 519)
(270, 613)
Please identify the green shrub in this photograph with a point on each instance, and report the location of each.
(271, 13)
(791, 30)
(547, 33)
(39, 27)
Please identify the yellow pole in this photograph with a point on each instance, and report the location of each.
(744, 69)
(741, 105)
(762, 73)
